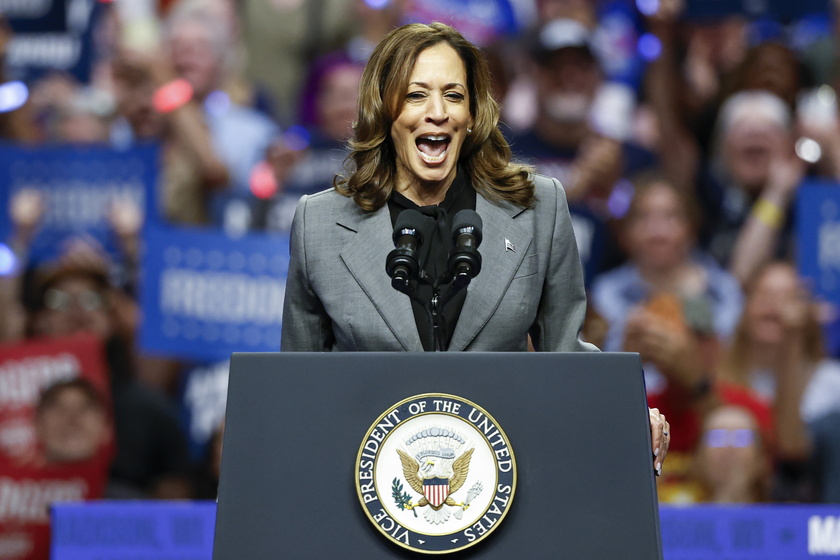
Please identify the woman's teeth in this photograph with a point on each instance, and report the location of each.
(433, 148)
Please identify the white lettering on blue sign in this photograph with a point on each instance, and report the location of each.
(222, 296)
(823, 535)
(82, 204)
(45, 50)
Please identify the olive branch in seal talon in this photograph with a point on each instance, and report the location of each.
(401, 499)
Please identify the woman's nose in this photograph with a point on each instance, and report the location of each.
(436, 109)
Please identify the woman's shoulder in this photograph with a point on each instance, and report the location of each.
(544, 182)
(549, 195)
(323, 207)
(328, 201)
(547, 188)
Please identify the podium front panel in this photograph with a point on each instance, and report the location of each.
(577, 423)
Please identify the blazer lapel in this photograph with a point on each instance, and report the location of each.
(365, 258)
(505, 242)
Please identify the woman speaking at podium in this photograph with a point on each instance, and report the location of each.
(428, 158)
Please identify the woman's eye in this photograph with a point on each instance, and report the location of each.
(414, 95)
(455, 96)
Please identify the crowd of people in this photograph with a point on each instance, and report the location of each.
(681, 141)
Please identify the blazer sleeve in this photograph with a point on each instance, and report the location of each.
(562, 306)
(306, 326)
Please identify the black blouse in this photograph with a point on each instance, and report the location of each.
(432, 256)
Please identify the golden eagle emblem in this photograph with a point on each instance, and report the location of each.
(433, 468)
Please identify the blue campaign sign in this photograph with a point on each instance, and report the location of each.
(818, 219)
(51, 35)
(205, 295)
(182, 530)
(750, 532)
(35, 15)
(133, 530)
(78, 185)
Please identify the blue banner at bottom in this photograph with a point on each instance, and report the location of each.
(768, 532)
(133, 530)
(184, 531)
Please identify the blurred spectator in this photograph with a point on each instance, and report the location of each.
(199, 43)
(684, 82)
(191, 169)
(670, 302)
(732, 462)
(673, 304)
(660, 236)
(283, 36)
(72, 422)
(84, 119)
(615, 28)
(75, 295)
(777, 352)
(328, 110)
(752, 181)
(70, 463)
(578, 136)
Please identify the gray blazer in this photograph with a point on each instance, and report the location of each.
(339, 297)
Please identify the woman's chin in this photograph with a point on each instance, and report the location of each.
(434, 175)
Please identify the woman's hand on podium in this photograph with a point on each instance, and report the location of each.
(660, 433)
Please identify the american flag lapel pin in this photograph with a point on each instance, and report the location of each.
(509, 246)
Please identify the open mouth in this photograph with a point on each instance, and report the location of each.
(433, 147)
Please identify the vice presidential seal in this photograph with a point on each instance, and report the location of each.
(435, 473)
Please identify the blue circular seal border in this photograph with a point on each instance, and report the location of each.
(371, 501)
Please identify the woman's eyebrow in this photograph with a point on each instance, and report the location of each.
(446, 86)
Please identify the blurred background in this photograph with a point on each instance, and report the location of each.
(153, 152)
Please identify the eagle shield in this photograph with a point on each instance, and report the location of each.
(436, 490)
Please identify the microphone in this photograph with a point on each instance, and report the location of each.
(465, 260)
(401, 264)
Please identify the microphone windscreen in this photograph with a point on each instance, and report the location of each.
(467, 218)
(409, 219)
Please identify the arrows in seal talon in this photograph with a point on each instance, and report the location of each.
(474, 491)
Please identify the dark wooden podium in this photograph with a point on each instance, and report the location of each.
(578, 424)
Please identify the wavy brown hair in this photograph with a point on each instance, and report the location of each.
(372, 166)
